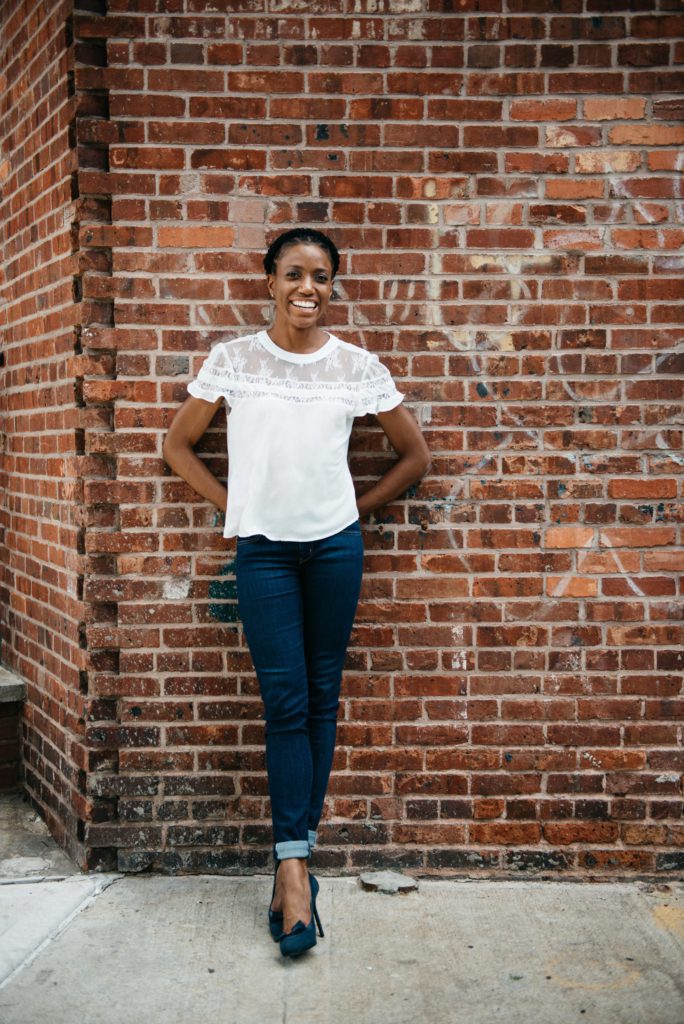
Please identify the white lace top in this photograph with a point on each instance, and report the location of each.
(289, 421)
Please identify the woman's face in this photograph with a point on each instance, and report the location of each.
(301, 285)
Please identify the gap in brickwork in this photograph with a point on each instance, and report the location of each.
(92, 135)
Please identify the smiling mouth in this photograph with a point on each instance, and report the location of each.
(305, 305)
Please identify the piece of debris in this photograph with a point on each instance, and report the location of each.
(387, 881)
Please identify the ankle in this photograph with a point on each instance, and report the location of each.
(293, 868)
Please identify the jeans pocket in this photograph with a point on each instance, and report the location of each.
(350, 532)
(252, 539)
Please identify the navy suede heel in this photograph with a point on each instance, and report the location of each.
(303, 936)
(275, 917)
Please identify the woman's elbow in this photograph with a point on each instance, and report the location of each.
(424, 459)
(421, 463)
(170, 450)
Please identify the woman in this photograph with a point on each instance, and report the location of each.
(293, 392)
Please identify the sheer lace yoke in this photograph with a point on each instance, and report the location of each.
(255, 367)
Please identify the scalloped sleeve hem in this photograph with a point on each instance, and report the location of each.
(210, 382)
(377, 390)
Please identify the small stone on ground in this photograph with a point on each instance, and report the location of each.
(388, 881)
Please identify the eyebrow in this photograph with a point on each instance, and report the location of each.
(298, 266)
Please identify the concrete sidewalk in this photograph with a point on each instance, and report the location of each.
(186, 949)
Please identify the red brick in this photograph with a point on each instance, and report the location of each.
(663, 160)
(566, 135)
(505, 833)
(224, 53)
(199, 237)
(643, 55)
(655, 27)
(464, 110)
(574, 239)
(197, 133)
(646, 135)
(520, 56)
(355, 186)
(440, 56)
(668, 110)
(594, 55)
(511, 238)
(386, 108)
(577, 586)
(587, 28)
(563, 833)
(572, 188)
(222, 106)
(157, 157)
(585, 82)
(637, 537)
(655, 81)
(614, 109)
(197, 80)
(643, 238)
(543, 110)
(344, 84)
(491, 135)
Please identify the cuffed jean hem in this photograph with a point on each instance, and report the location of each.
(292, 848)
(312, 839)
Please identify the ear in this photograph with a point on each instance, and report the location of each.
(270, 282)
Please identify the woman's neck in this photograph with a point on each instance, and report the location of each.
(301, 342)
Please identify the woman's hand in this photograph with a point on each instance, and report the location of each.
(406, 438)
(189, 423)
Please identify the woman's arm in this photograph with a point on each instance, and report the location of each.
(189, 423)
(406, 438)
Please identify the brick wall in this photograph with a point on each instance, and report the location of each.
(504, 183)
(41, 530)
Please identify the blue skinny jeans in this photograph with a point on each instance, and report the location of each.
(297, 601)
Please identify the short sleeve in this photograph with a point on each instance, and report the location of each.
(377, 390)
(213, 380)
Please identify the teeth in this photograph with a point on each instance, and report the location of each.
(305, 305)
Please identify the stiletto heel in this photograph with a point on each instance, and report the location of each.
(275, 917)
(314, 890)
(303, 936)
